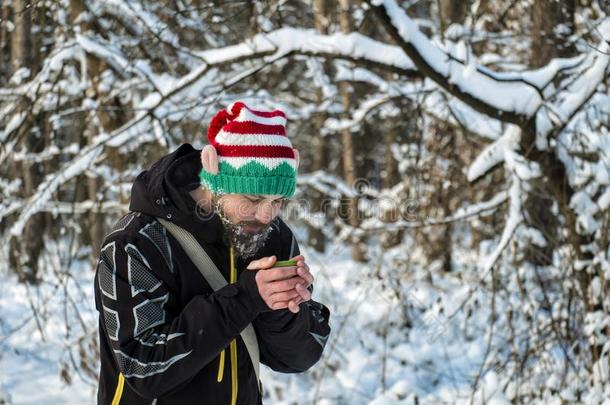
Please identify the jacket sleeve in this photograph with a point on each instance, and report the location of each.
(292, 343)
(157, 344)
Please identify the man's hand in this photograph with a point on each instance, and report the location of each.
(283, 287)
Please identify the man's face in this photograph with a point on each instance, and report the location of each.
(247, 219)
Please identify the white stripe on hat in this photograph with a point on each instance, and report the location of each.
(226, 138)
(247, 115)
(270, 163)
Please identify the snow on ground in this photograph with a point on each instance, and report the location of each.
(371, 357)
(34, 344)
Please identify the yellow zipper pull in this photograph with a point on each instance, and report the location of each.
(233, 270)
(221, 363)
(233, 344)
(221, 366)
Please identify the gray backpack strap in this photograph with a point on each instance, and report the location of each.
(215, 279)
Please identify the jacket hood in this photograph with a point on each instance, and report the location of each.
(164, 191)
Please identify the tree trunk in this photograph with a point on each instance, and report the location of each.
(29, 245)
(553, 23)
(21, 37)
(316, 237)
(452, 12)
(552, 26)
(350, 174)
(547, 43)
(5, 41)
(389, 179)
(87, 187)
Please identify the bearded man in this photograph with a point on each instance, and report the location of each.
(167, 335)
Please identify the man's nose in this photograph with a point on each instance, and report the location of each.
(265, 213)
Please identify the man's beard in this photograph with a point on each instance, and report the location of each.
(248, 237)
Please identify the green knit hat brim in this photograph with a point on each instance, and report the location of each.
(251, 178)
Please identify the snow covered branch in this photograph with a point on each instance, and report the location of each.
(514, 101)
(513, 97)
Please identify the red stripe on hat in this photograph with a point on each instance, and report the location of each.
(250, 127)
(254, 151)
(237, 106)
(268, 114)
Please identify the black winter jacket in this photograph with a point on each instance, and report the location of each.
(164, 333)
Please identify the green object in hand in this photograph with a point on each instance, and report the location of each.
(285, 263)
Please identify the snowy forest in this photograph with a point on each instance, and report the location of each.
(452, 200)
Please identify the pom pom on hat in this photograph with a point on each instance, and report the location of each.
(221, 118)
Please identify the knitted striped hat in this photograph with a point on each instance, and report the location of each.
(254, 154)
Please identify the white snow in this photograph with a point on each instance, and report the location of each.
(494, 153)
(35, 341)
(515, 218)
(287, 40)
(14, 123)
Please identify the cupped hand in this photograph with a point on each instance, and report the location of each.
(283, 287)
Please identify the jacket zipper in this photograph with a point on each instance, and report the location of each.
(232, 346)
(118, 393)
(221, 366)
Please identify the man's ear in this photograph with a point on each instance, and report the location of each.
(209, 159)
(296, 158)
